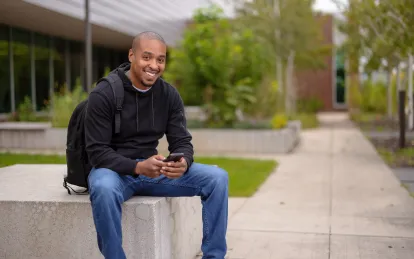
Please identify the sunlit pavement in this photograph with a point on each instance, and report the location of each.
(332, 198)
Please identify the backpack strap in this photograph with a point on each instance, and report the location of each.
(118, 89)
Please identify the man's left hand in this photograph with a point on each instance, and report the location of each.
(174, 170)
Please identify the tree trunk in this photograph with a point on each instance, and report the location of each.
(279, 61)
(389, 93)
(290, 101)
(410, 92)
(401, 107)
(281, 88)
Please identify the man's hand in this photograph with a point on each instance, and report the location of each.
(174, 170)
(150, 167)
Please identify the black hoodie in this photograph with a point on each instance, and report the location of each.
(145, 118)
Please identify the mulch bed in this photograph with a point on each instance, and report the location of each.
(390, 144)
(380, 124)
(392, 154)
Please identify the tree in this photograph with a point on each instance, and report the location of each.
(380, 30)
(218, 64)
(290, 29)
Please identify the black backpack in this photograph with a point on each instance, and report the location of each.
(78, 166)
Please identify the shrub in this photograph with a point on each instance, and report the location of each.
(24, 111)
(217, 66)
(63, 104)
(270, 100)
(374, 97)
(279, 121)
(309, 105)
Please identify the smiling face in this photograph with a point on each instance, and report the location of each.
(147, 62)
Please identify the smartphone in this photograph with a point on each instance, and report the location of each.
(174, 157)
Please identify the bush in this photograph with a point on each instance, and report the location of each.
(24, 112)
(63, 105)
(279, 121)
(270, 100)
(309, 105)
(217, 66)
(374, 97)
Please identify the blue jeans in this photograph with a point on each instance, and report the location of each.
(108, 190)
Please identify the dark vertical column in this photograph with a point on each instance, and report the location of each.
(11, 68)
(401, 112)
(88, 46)
(67, 65)
(51, 70)
(33, 70)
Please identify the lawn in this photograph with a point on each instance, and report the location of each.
(245, 175)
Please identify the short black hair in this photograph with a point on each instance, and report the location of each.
(149, 35)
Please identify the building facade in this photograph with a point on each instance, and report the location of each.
(34, 65)
(42, 47)
(328, 83)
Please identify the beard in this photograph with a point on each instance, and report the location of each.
(146, 84)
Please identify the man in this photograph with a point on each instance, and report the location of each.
(127, 164)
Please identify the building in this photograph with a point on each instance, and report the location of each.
(42, 41)
(42, 45)
(326, 84)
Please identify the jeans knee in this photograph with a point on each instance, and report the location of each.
(221, 177)
(104, 184)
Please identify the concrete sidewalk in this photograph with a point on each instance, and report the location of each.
(332, 198)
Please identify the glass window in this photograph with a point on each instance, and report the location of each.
(123, 57)
(95, 63)
(42, 70)
(340, 77)
(21, 61)
(59, 64)
(5, 104)
(102, 61)
(76, 65)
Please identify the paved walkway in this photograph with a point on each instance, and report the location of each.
(332, 198)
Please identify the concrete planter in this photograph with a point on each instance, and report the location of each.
(41, 136)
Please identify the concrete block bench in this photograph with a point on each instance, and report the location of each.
(39, 219)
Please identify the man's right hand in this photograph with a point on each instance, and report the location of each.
(150, 167)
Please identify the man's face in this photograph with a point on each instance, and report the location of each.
(148, 61)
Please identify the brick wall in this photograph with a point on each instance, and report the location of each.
(319, 83)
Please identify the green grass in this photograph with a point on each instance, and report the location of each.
(245, 175)
(7, 159)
